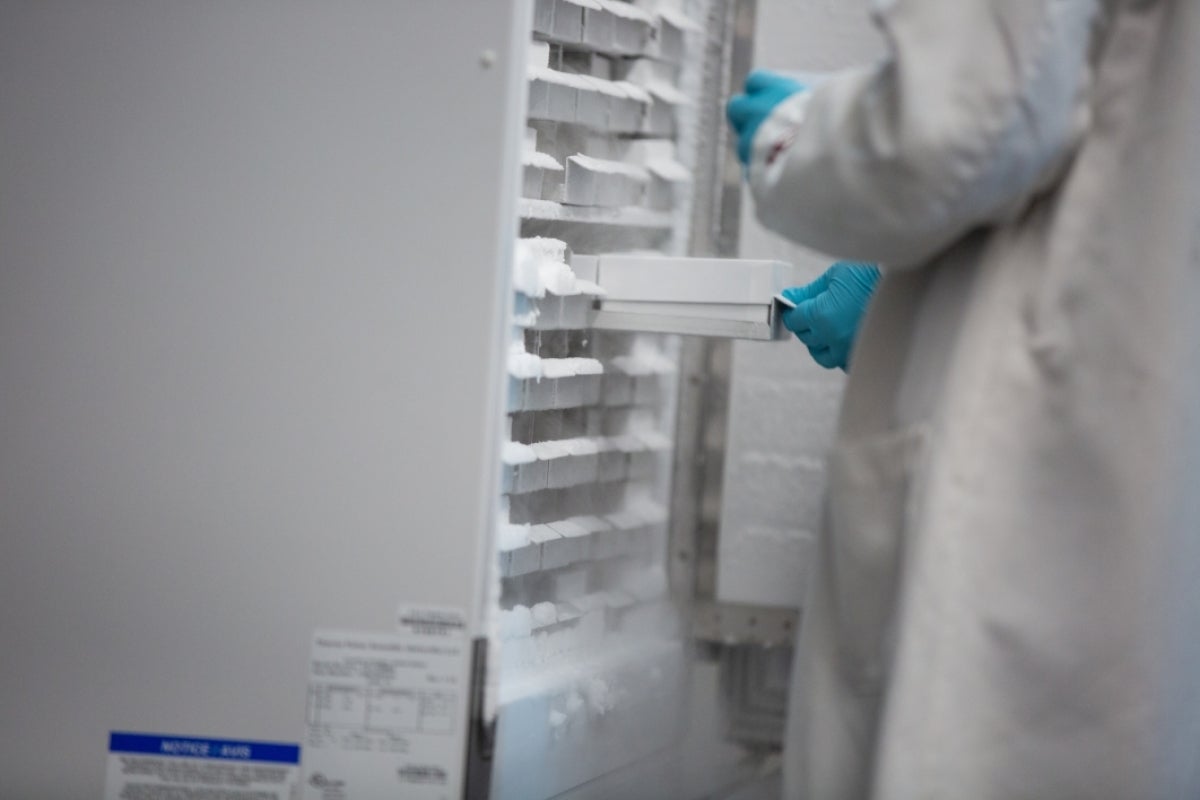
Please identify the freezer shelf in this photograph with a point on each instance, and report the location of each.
(727, 298)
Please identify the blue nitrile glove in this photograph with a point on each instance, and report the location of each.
(764, 91)
(828, 311)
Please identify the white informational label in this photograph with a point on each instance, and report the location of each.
(432, 622)
(154, 767)
(386, 711)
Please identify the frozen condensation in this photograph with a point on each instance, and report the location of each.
(538, 55)
(515, 623)
(530, 255)
(551, 450)
(667, 93)
(634, 92)
(654, 440)
(626, 11)
(599, 696)
(669, 170)
(557, 278)
(517, 453)
(535, 158)
(544, 614)
(570, 367)
(510, 537)
(610, 167)
(582, 601)
(582, 446)
(676, 17)
(523, 365)
(645, 359)
(540, 267)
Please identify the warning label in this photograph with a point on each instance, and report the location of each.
(155, 767)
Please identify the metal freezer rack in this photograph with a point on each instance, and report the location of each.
(728, 298)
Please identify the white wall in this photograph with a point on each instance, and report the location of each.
(783, 409)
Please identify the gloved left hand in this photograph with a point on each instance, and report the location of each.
(829, 310)
(746, 112)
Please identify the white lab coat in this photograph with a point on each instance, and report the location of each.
(1007, 602)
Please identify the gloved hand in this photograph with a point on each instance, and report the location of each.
(828, 311)
(764, 91)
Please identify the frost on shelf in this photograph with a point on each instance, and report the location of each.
(511, 537)
(514, 623)
(551, 450)
(634, 92)
(536, 158)
(525, 366)
(517, 453)
(544, 614)
(669, 170)
(678, 18)
(645, 359)
(626, 443)
(527, 319)
(537, 72)
(666, 92)
(654, 440)
(607, 166)
(600, 696)
(581, 446)
(540, 267)
(529, 258)
(583, 611)
(645, 585)
(597, 103)
(570, 367)
(626, 11)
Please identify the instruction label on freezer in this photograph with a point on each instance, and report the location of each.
(386, 710)
(154, 767)
(432, 622)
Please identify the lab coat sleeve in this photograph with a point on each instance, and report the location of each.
(978, 107)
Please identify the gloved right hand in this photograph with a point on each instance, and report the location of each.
(746, 112)
(829, 310)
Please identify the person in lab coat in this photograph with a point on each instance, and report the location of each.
(1007, 598)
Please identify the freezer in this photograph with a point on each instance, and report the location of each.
(356, 363)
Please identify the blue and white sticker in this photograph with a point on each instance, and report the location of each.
(149, 766)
